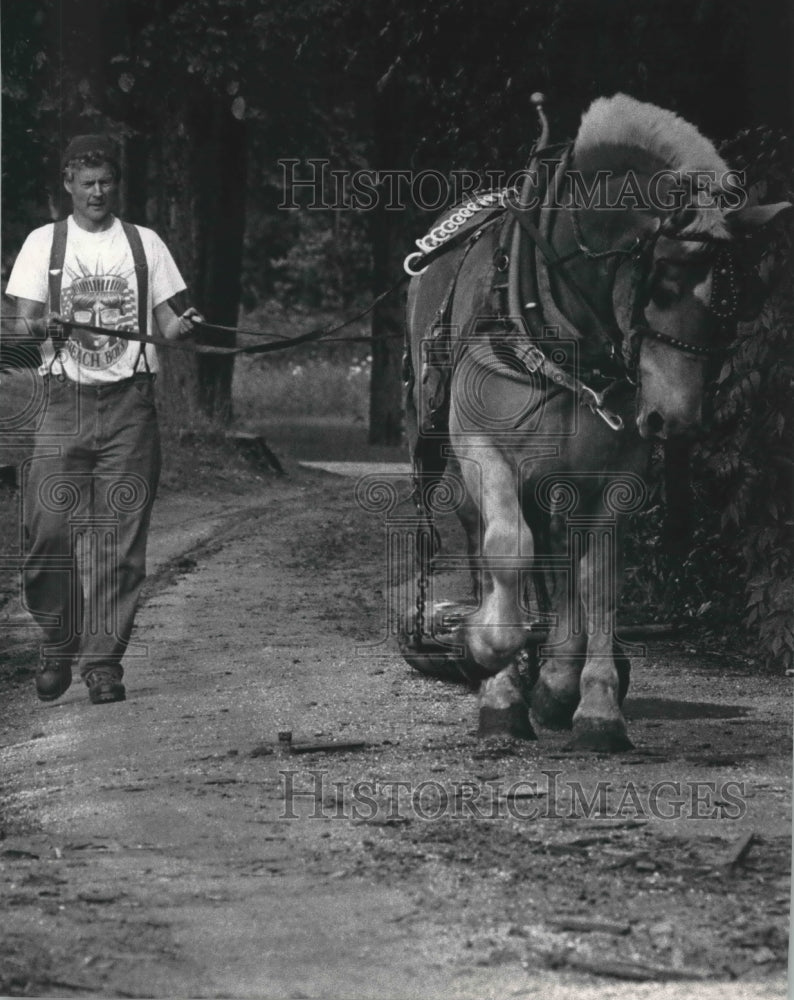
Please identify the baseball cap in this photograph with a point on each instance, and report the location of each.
(97, 145)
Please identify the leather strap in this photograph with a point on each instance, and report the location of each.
(613, 338)
(141, 273)
(57, 255)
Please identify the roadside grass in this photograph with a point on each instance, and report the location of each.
(328, 378)
(302, 385)
(311, 402)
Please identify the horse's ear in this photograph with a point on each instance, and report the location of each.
(761, 252)
(752, 218)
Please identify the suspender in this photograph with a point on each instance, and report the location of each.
(141, 274)
(58, 254)
(142, 279)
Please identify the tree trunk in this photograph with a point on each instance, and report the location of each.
(220, 199)
(386, 392)
(173, 216)
(134, 181)
(201, 210)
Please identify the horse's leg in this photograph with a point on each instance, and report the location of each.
(472, 525)
(496, 632)
(598, 723)
(555, 696)
(556, 693)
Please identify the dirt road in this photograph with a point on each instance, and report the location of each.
(171, 846)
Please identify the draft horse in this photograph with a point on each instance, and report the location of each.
(555, 331)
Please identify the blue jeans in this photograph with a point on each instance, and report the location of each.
(89, 490)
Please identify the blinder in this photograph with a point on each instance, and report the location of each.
(737, 291)
(725, 290)
(737, 295)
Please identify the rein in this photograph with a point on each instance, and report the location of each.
(281, 344)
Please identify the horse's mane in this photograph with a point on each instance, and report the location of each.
(613, 128)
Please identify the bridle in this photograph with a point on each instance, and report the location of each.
(724, 302)
(622, 346)
(723, 306)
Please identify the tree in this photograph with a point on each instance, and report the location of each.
(179, 116)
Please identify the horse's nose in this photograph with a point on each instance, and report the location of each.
(654, 422)
(655, 425)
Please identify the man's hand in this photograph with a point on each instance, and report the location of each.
(188, 321)
(174, 327)
(52, 325)
(33, 323)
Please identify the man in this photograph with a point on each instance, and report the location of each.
(92, 479)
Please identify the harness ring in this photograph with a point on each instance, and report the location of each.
(407, 264)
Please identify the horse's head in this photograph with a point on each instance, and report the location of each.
(694, 273)
(694, 288)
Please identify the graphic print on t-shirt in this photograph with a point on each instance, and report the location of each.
(106, 300)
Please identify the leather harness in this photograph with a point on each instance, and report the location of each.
(621, 352)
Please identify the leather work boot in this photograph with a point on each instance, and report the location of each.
(104, 686)
(53, 678)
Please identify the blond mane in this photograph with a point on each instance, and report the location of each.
(614, 127)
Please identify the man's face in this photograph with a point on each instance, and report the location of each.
(93, 191)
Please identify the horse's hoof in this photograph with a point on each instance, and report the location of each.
(511, 721)
(503, 710)
(550, 710)
(601, 736)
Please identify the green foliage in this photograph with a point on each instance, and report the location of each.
(737, 578)
(744, 487)
(744, 469)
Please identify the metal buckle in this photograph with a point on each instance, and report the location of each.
(595, 401)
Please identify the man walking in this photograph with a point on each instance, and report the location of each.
(91, 482)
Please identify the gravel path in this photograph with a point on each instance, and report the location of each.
(171, 846)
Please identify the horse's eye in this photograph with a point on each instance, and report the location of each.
(666, 284)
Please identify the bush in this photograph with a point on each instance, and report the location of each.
(736, 577)
(743, 483)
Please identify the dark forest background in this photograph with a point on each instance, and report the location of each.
(209, 95)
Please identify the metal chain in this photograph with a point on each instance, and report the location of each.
(424, 539)
(445, 230)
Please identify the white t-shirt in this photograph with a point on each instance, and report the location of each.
(98, 287)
